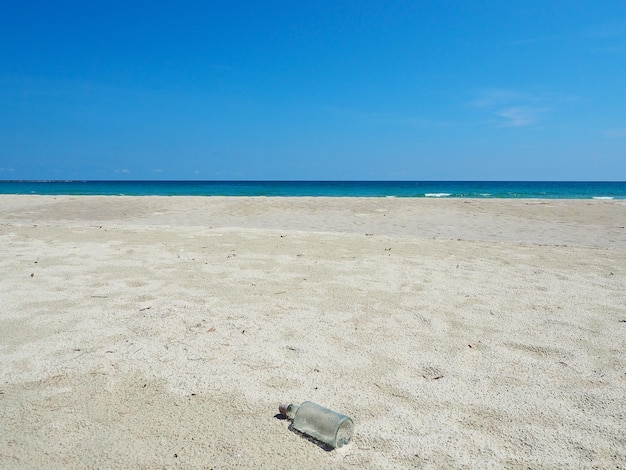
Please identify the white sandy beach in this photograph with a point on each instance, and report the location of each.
(161, 332)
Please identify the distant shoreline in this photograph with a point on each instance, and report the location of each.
(401, 189)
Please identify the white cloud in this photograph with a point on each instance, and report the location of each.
(607, 30)
(616, 133)
(122, 171)
(512, 108)
(517, 116)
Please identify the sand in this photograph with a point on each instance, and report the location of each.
(156, 332)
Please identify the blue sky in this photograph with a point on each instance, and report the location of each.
(330, 90)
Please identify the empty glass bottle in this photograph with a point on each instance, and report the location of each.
(326, 426)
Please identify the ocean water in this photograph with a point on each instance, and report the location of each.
(429, 189)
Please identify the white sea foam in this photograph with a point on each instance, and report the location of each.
(437, 194)
(603, 197)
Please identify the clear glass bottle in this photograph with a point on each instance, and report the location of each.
(326, 426)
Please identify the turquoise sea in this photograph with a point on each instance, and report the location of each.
(433, 189)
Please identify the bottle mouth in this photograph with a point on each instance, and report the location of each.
(344, 433)
(282, 408)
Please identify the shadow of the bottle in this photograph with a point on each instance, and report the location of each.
(320, 444)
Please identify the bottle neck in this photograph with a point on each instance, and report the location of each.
(289, 410)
